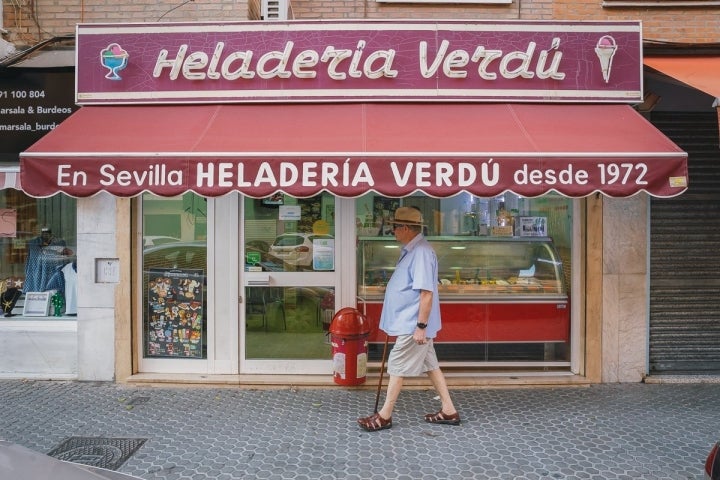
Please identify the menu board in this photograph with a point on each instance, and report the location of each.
(175, 317)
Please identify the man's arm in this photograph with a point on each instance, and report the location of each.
(423, 314)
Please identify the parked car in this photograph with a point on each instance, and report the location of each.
(20, 463)
(152, 240)
(180, 255)
(190, 255)
(712, 464)
(295, 248)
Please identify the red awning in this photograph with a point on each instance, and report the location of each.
(351, 149)
(700, 72)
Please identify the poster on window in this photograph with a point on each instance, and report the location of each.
(8, 222)
(174, 325)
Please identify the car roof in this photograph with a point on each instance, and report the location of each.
(176, 245)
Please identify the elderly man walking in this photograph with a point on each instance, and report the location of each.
(411, 311)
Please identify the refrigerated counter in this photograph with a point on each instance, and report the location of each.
(492, 289)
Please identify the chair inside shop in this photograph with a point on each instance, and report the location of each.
(264, 301)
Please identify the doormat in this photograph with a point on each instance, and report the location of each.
(108, 453)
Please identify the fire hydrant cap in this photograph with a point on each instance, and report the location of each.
(349, 321)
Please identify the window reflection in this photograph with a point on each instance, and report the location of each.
(288, 322)
(286, 234)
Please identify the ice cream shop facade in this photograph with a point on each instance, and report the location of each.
(236, 184)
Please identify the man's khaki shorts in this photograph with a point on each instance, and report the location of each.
(408, 359)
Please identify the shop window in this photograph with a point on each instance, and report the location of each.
(504, 273)
(288, 322)
(287, 234)
(38, 244)
(174, 258)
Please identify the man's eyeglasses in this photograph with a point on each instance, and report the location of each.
(398, 225)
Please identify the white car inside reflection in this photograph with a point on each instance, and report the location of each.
(295, 248)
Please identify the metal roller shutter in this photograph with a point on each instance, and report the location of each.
(685, 255)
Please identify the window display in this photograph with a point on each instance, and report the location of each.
(46, 254)
(37, 252)
(503, 279)
(474, 268)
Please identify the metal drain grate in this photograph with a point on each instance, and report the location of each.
(109, 453)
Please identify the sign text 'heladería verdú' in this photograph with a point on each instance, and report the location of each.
(472, 61)
(258, 177)
(341, 64)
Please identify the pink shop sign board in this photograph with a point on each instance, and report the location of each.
(359, 61)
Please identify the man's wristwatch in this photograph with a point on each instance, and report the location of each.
(422, 326)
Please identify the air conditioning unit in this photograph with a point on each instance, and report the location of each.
(275, 10)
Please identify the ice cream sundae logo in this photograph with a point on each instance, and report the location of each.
(114, 58)
(605, 50)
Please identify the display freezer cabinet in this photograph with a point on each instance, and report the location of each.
(492, 289)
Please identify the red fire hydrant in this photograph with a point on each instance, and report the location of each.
(349, 331)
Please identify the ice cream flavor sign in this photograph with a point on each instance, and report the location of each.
(367, 61)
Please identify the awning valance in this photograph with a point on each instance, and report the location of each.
(10, 177)
(353, 148)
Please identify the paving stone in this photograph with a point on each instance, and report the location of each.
(627, 431)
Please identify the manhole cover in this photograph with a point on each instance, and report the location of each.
(109, 453)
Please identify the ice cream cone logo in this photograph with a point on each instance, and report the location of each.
(605, 50)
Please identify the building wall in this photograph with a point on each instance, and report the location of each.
(625, 289)
(38, 349)
(30, 21)
(97, 309)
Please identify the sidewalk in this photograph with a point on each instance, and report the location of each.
(634, 431)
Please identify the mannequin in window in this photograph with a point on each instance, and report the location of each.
(64, 281)
(44, 254)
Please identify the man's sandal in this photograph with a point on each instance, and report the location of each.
(374, 423)
(443, 418)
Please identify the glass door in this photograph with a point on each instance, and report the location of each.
(290, 276)
(176, 298)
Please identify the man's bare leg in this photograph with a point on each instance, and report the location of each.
(391, 395)
(438, 380)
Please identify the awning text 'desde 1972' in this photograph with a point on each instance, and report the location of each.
(351, 149)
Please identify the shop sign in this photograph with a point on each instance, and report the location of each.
(359, 61)
(354, 176)
(32, 103)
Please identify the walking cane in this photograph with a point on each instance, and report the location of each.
(382, 370)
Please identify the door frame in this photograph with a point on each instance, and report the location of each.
(342, 279)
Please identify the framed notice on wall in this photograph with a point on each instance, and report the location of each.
(533, 226)
(8, 222)
(37, 304)
(175, 317)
